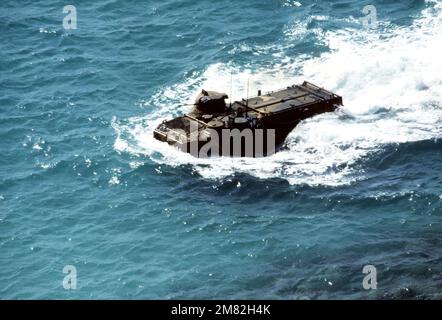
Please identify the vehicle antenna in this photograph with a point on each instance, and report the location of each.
(231, 88)
(247, 101)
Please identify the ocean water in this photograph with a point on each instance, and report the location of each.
(83, 182)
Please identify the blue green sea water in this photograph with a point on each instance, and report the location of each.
(83, 182)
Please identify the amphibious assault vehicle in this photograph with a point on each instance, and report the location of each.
(252, 127)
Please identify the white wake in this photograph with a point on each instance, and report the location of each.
(390, 78)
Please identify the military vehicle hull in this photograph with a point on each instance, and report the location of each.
(252, 127)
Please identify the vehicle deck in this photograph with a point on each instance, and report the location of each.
(289, 98)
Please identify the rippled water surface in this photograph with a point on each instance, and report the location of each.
(83, 182)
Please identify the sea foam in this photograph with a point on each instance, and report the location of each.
(392, 89)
